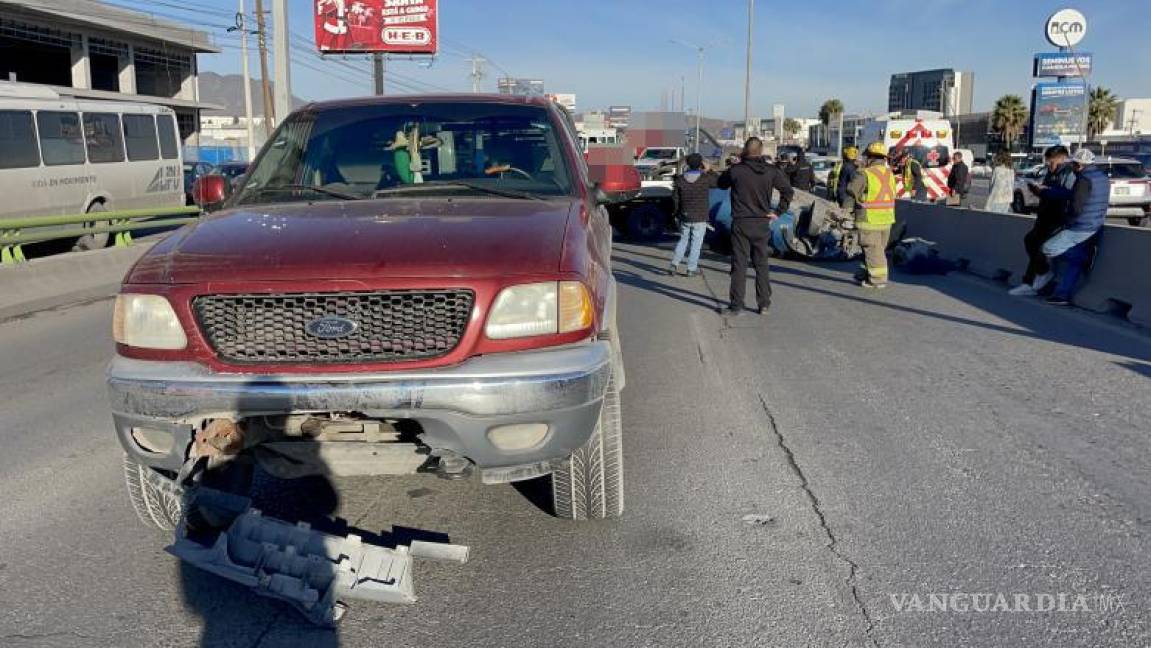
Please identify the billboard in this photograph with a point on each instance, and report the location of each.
(1058, 64)
(1057, 112)
(388, 26)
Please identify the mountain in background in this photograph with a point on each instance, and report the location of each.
(227, 90)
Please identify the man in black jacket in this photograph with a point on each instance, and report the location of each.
(751, 182)
(692, 206)
(958, 181)
(801, 173)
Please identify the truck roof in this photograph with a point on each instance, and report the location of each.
(542, 102)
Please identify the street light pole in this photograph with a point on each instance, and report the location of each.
(282, 90)
(747, 73)
(698, 100)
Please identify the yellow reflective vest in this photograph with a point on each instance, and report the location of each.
(878, 204)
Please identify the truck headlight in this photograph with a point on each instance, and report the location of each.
(544, 308)
(148, 322)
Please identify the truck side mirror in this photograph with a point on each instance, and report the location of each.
(210, 191)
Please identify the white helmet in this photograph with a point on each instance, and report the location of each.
(1083, 157)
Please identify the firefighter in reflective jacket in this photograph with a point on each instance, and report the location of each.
(873, 191)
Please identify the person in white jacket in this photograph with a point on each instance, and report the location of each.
(1002, 184)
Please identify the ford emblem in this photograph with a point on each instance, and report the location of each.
(331, 328)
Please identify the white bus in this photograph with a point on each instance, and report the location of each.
(62, 156)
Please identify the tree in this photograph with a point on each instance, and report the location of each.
(828, 109)
(791, 128)
(1008, 118)
(1101, 108)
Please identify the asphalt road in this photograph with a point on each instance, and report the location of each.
(793, 480)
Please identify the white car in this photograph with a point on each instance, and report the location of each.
(822, 166)
(1130, 189)
(1025, 200)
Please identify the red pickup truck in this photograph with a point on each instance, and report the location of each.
(398, 285)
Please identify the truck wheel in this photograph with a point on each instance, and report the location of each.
(646, 223)
(93, 241)
(1137, 221)
(157, 500)
(590, 483)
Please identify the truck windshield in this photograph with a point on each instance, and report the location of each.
(376, 151)
(658, 154)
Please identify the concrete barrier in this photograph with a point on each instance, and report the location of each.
(63, 279)
(990, 245)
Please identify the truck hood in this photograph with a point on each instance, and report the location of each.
(363, 240)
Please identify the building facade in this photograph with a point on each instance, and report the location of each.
(89, 50)
(520, 87)
(1133, 117)
(823, 140)
(947, 91)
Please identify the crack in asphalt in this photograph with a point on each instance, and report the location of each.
(817, 508)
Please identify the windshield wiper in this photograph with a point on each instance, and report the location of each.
(295, 187)
(505, 193)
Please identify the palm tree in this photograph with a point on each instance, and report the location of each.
(1101, 108)
(791, 128)
(1008, 118)
(830, 108)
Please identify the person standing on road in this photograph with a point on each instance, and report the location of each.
(1069, 250)
(1054, 197)
(844, 173)
(692, 206)
(801, 173)
(752, 182)
(913, 182)
(958, 182)
(1002, 184)
(873, 193)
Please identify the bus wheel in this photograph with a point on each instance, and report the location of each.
(93, 241)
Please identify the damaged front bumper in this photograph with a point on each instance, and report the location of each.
(315, 572)
(455, 407)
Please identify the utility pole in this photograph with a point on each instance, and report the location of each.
(379, 67)
(282, 42)
(682, 93)
(698, 101)
(477, 74)
(747, 73)
(262, 46)
(839, 144)
(242, 26)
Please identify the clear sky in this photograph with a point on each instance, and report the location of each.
(618, 51)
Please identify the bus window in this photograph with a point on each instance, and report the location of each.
(61, 141)
(17, 140)
(140, 137)
(166, 126)
(105, 142)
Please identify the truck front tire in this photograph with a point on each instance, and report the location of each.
(157, 500)
(589, 485)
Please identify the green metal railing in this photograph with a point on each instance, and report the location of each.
(14, 232)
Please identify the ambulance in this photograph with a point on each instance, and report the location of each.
(926, 135)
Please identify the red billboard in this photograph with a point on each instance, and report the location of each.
(390, 26)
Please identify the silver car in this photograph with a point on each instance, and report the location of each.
(1130, 189)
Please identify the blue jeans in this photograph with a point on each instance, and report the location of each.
(1069, 253)
(693, 233)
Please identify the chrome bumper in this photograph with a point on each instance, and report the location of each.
(455, 406)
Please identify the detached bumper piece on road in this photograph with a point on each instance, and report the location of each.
(317, 573)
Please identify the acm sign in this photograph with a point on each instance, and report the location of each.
(1065, 28)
